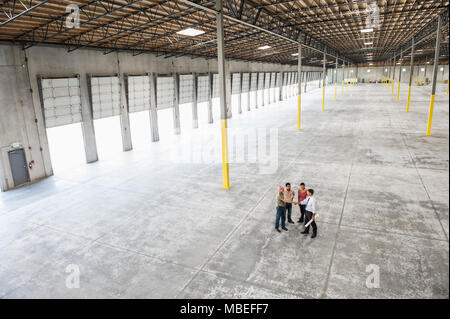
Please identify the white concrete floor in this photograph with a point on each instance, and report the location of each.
(140, 226)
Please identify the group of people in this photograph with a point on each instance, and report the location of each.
(306, 202)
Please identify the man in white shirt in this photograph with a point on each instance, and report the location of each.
(310, 212)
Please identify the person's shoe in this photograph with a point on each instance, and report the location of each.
(278, 230)
(314, 236)
(291, 221)
(305, 232)
(284, 228)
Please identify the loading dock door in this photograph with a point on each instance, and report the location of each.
(61, 101)
(203, 88)
(18, 164)
(165, 93)
(105, 96)
(186, 88)
(138, 93)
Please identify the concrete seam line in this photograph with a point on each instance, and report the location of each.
(325, 288)
(234, 229)
(421, 181)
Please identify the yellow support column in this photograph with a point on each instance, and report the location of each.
(323, 98)
(430, 115)
(222, 93)
(409, 98)
(447, 86)
(225, 166)
(398, 92)
(392, 87)
(434, 76)
(335, 90)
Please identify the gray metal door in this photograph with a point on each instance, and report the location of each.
(18, 164)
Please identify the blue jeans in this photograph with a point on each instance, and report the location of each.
(281, 214)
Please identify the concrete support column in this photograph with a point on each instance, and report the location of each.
(323, 80)
(306, 79)
(249, 90)
(124, 115)
(229, 86)
(222, 93)
(153, 107)
(411, 70)
(280, 86)
(343, 76)
(299, 88)
(425, 75)
(256, 90)
(176, 104)
(263, 99)
(195, 100)
(393, 77)
(335, 78)
(240, 93)
(87, 125)
(399, 75)
(435, 72)
(210, 96)
(417, 76)
(389, 74)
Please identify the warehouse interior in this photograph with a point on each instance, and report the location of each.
(143, 142)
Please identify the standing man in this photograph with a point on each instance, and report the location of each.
(302, 192)
(289, 195)
(281, 211)
(310, 212)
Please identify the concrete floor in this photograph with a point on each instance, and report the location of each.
(140, 227)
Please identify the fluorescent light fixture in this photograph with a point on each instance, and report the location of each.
(191, 32)
(294, 54)
(367, 30)
(368, 71)
(404, 70)
(385, 70)
(264, 47)
(398, 63)
(370, 63)
(442, 69)
(368, 43)
(422, 69)
(428, 62)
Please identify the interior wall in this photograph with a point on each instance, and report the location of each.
(21, 118)
(377, 73)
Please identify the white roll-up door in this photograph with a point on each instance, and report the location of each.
(138, 93)
(261, 81)
(267, 81)
(273, 80)
(236, 87)
(165, 92)
(61, 101)
(186, 88)
(254, 82)
(203, 89)
(105, 96)
(245, 82)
